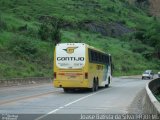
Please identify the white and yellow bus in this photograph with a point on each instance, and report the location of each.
(78, 65)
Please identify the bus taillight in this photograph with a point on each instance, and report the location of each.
(86, 75)
(55, 75)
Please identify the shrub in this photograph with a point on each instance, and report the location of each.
(111, 9)
(105, 46)
(3, 25)
(139, 48)
(22, 47)
(44, 31)
(152, 34)
(140, 35)
(30, 32)
(125, 68)
(50, 30)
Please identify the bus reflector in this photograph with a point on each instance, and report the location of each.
(55, 75)
(86, 75)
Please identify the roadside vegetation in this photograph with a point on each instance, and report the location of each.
(158, 97)
(29, 30)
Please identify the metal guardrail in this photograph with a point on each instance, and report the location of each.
(154, 86)
(151, 105)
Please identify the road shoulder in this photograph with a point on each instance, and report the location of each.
(136, 107)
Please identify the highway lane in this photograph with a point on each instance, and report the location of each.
(45, 99)
(8, 94)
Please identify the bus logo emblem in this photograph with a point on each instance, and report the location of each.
(70, 50)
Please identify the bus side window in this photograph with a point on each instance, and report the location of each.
(101, 58)
(95, 57)
(90, 55)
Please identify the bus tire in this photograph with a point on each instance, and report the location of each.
(93, 89)
(66, 90)
(107, 85)
(96, 85)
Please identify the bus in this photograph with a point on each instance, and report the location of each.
(80, 66)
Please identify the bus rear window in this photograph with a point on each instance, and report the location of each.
(70, 56)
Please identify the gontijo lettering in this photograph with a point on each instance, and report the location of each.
(70, 58)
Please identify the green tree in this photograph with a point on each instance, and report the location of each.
(44, 31)
(55, 32)
(50, 30)
(157, 50)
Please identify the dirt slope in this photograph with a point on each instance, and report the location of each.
(155, 7)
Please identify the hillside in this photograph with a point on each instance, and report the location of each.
(115, 26)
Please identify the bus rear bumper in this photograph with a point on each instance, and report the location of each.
(70, 84)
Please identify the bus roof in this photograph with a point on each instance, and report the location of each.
(91, 47)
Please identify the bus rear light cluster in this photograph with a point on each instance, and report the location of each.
(86, 75)
(55, 75)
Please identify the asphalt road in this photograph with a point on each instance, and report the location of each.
(43, 100)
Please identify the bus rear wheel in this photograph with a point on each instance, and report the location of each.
(66, 90)
(107, 85)
(95, 86)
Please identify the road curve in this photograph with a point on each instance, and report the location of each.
(45, 99)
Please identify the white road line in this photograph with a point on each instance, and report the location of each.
(43, 116)
(78, 100)
(61, 107)
(55, 110)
